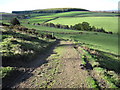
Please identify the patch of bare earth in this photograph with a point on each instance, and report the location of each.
(71, 76)
(61, 72)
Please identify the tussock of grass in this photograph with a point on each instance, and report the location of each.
(92, 83)
(51, 70)
(4, 71)
(20, 47)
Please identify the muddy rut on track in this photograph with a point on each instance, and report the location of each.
(69, 74)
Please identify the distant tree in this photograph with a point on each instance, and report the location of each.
(52, 25)
(38, 23)
(78, 26)
(15, 21)
(71, 27)
(29, 15)
(93, 28)
(66, 27)
(28, 22)
(102, 30)
(86, 26)
(24, 16)
(57, 25)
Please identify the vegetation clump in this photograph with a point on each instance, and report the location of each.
(84, 26)
(15, 21)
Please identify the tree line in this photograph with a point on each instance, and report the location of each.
(84, 26)
(51, 10)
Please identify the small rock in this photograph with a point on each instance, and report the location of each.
(82, 68)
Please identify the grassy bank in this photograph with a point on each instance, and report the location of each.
(20, 48)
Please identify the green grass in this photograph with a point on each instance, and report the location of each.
(5, 71)
(103, 66)
(5, 21)
(77, 14)
(22, 44)
(15, 43)
(92, 83)
(101, 41)
(36, 20)
(67, 14)
(43, 28)
(42, 17)
(108, 23)
(20, 47)
(51, 70)
(98, 14)
(39, 14)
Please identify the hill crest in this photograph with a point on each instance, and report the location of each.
(50, 10)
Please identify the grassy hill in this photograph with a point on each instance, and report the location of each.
(19, 46)
(102, 42)
(105, 20)
(51, 10)
(99, 22)
(110, 43)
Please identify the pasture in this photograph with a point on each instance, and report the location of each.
(75, 14)
(67, 14)
(101, 41)
(35, 20)
(50, 29)
(108, 23)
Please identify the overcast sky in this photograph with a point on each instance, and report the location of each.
(18, 5)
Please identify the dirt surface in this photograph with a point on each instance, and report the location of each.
(59, 68)
(71, 76)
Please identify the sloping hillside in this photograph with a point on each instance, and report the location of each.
(51, 10)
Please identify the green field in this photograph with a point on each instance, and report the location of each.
(41, 18)
(66, 14)
(74, 14)
(108, 23)
(36, 20)
(43, 28)
(102, 42)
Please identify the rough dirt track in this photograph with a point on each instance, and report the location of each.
(61, 72)
(71, 74)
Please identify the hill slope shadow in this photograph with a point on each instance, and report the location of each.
(25, 72)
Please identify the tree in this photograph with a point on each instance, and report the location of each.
(86, 26)
(78, 26)
(52, 25)
(15, 21)
(57, 25)
(93, 28)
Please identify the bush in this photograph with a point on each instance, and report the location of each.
(86, 26)
(15, 21)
